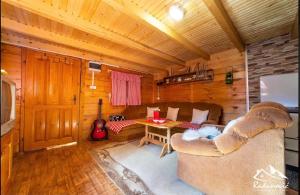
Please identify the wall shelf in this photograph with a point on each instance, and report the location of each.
(204, 76)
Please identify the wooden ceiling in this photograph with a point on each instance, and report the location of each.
(139, 34)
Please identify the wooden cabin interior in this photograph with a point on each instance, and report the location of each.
(149, 97)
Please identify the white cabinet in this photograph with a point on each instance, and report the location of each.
(291, 142)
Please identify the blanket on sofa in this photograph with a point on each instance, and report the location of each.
(117, 126)
(188, 125)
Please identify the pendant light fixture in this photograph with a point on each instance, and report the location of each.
(176, 12)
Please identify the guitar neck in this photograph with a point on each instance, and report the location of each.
(99, 112)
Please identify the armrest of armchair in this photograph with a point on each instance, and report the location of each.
(202, 147)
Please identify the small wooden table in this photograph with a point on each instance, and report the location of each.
(162, 140)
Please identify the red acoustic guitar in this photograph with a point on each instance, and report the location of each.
(99, 131)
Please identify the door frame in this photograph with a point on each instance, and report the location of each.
(81, 97)
(22, 115)
(23, 79)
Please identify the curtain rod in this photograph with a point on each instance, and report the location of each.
(117, 66)
(109, 72)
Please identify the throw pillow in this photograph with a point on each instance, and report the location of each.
(199, 116)
(150, 111)
(116, 117)
(172, 113)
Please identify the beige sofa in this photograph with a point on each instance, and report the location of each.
(184, 114)
(229, 163)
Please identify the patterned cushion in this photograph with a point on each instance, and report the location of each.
(116, 118)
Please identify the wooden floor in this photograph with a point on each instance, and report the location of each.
(63, 171)
(68, 170)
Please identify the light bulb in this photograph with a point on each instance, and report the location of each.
(176, 12)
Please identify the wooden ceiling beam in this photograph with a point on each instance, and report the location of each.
(146, 18)
(31, 31)
(295, 28)
(66, 18)
(218, 11)
(35, 44)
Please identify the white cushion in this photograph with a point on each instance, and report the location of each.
(172, 113)
(199, 116)
(231, 123)
(150, 111)
(203, 132)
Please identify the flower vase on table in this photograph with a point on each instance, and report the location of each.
(156, 115)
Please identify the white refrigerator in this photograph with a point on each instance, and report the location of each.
(283, 88)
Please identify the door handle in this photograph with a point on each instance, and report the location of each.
(74, 99)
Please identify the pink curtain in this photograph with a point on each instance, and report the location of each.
(134, 90)
(126, 89)
(119, 91)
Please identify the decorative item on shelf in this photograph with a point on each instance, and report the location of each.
(205, 72)
(205, 75)
(201, 71)
(210, 75)
(187, 79)
(202, 74)
(167, 81)
(197, 70)
(159, 82)
(179, 71)
(188, 69)
(194, 68)
(229, 76)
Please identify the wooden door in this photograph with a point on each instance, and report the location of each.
(52, 84)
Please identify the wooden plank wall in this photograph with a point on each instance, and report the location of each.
(11, 62)
(231, 97)
(103, 82)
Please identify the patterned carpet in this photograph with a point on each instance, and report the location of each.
(140, 170)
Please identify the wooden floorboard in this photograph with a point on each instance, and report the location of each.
(63, 171)
(68, 170)
(290, 191)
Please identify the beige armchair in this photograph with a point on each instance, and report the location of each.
(242, 160)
